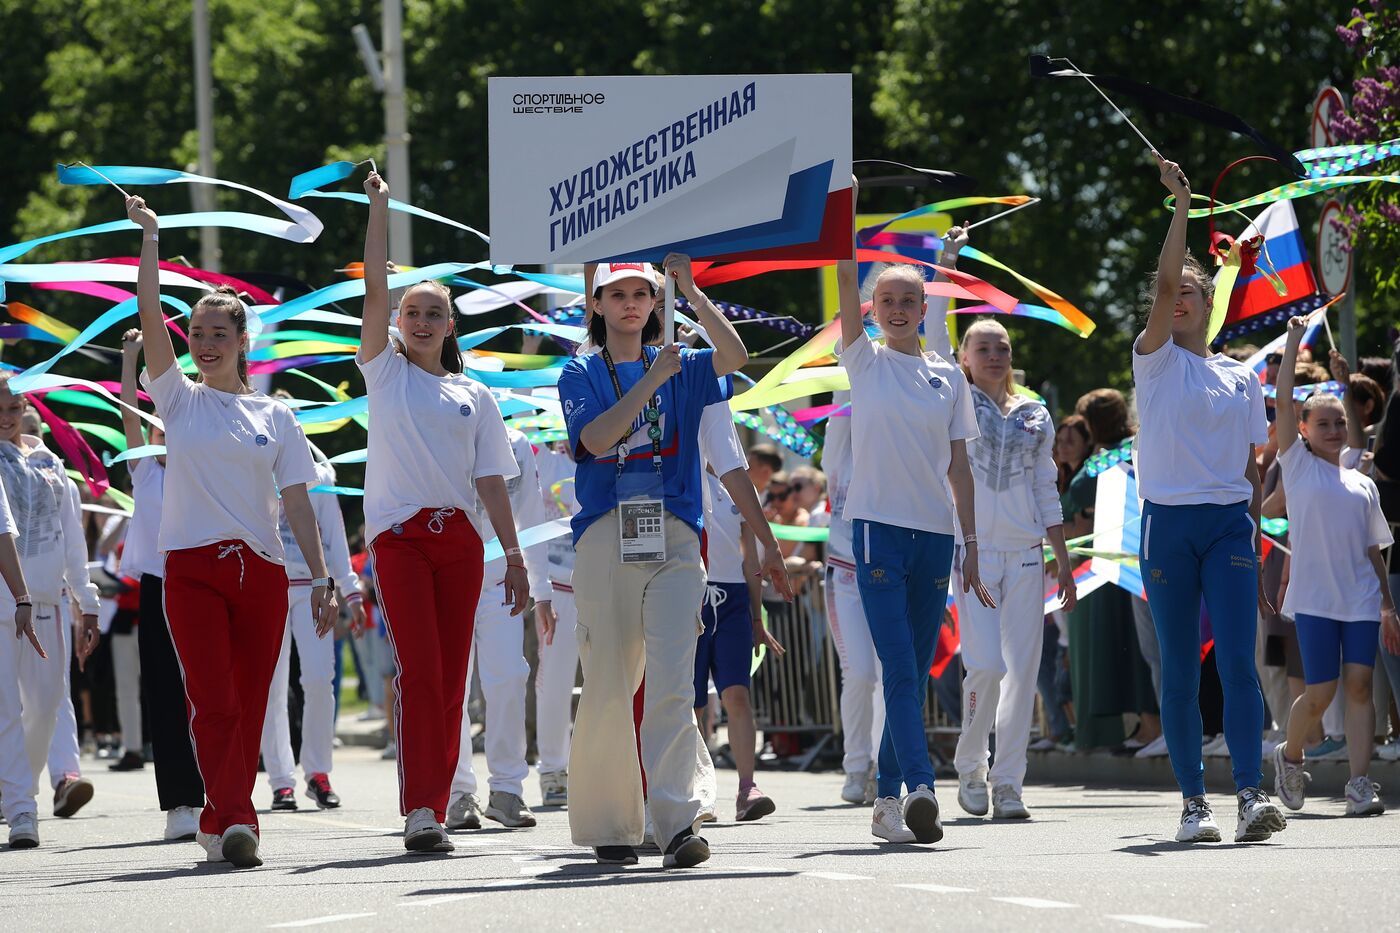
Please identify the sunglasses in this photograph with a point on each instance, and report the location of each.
(777, 493)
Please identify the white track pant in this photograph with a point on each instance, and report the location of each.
(31, 690)
(862, 692)
(1001, 653)
(63, 747)
(317, 658)
(126, 670)
(555, 676)
(498, 652)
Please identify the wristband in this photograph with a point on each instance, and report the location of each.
(153, 237)
(516, 566)
(23, 602)
(969, 539)
(513, 551)
(327, 582)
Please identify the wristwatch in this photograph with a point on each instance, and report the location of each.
(327, 582)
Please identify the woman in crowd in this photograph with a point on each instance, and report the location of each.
(437, 449)
(1339, 600)
(903, 523)
(231, 453)
(1018, 509)
(1202, 418)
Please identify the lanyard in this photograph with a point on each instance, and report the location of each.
(652, 414)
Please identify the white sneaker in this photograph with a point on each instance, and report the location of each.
(1258, 817)
(423, 833)
(554, 788)
(921, 815)
(509, 810)
(853, 791)
(1272, 741)
(180, 824)
(390, 753)
(1197, 822)
(1157, 748)
(240, 847)
(972, 792)
(887, 822)
(707, 814)
(372, 714)
(464, 812)
(1007, 804)
(1362, 799)
(1390, 751)
(212, 844)
(1042, 744)
(24, 831)
(872, 785)
(1290, 780)
(1218, 748)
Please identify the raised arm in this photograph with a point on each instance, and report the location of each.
(848, 284)
(160, 352)
(730, 353)
(936, 331)
(1341, 372)
(1286, 417)
(374, 325)
(1159, 321)
(131, 352)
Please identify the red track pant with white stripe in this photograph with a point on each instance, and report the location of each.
(227, 610)
(428, 571)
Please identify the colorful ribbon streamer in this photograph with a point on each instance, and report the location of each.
(309, 185)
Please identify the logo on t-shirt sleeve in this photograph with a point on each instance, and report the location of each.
(935, 381)
(260, 440)
(465, 411)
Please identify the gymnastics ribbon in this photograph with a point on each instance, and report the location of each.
(295, 307)
(135, 453)
(309, 185)
(74, 448)
(536, 534)
(1336, 160)
(1291, 191)
(1304, 392)
(865, 236)
(1224, 287)
(28, 315)
(26, 332)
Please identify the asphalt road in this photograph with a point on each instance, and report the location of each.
(1091, 859)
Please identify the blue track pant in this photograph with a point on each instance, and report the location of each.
(1190, 552)
(903, 579)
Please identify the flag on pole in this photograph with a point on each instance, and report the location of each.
(1256, 300)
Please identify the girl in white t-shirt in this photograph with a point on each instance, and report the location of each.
(437, 449)
(1018, 508)
(1338, 595)
(229, 452)
(911, 418)
(1202, 417)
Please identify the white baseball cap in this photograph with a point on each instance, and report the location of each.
(609, 272)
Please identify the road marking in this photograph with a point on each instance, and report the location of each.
(834, 876)
(937, 888)
(317, 921)
(434, 901)
(1160, 923)
(1036, 902)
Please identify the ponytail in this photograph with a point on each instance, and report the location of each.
(451, 353)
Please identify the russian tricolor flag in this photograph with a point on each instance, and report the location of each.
(1255, 302)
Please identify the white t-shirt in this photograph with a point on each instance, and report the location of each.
(430, 439)
(226, 457)
(836, 461)
(557, 488)
(140, 553)
(905, 413)
(719, 442)
(1198, 417)
(1334, 516)
(723, 524)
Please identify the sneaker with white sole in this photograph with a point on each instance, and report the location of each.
(1331, 748)
(181, 824)
(1042, 744)
(972, 791)
(1007, 804)
(1220, 748)
(212, 844)
(707, 814)
(240, 846)
(390, 753)
(921, 815)
(1157, 748)
(554, 788)
(1197, 821)
(509, 810)
(1390, 751)
(1290, 780)
(686, 851)
(1259, 818)
(423, 833)
(24, 831)
(853, 791)
(464, 812)
(1362, 799)
(887, 822)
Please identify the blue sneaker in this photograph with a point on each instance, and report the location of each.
(1331, 748)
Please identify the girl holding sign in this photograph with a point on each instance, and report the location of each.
(230, 452)
(911, 418)
(1341, 601)
(437, 448)
(1202, 416)
(1018, 508)
(633, 415)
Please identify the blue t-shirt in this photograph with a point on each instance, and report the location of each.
(586, 391)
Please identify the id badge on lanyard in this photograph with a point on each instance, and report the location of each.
(641, 498)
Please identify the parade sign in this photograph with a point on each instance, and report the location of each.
(631, 168)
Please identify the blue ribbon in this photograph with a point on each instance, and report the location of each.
(308, 185)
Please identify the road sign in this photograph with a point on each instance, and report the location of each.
(1334, 259)
(1329, 103)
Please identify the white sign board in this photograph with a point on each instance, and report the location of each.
(1328, 104)
(717, 166)
(1333, 258)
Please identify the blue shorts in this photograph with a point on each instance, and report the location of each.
(1326, 644)
(725, 649)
